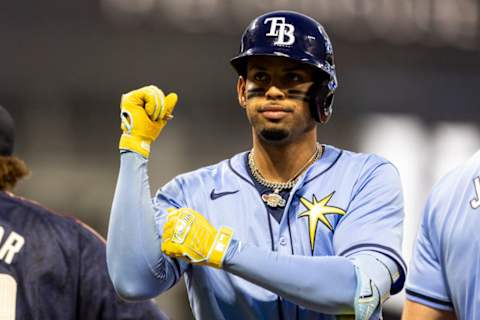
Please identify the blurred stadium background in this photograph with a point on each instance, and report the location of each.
(409, 74)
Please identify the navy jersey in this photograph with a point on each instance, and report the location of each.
(53, 267)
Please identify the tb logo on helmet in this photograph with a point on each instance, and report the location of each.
(283, 31)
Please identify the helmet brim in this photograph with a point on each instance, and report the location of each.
(240, 62)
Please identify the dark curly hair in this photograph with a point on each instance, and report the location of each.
(12, 169)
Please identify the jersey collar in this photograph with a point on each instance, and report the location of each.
(328, 159)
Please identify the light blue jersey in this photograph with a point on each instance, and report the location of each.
(344, 204)
(445, 268)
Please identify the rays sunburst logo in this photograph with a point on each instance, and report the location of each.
(317, 212)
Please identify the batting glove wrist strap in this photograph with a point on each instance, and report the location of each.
(220, 245)
(135, 144)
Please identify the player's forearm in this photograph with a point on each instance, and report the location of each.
(323, 284)
(136, 266)
(417, 311)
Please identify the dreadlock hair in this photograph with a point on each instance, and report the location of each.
(12, 169)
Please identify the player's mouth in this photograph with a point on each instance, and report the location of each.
(274, 111)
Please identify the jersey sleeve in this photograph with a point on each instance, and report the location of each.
(97, 297)
(426, 284)
(374, 219)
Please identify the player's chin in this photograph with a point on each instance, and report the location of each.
(274, 134)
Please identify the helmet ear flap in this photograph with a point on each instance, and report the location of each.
(326, 110)
(321, 101)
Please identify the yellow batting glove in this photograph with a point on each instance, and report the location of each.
(188, 235)
(144, 113)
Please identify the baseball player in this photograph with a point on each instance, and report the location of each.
(291, 229)
(51, 267)
(444, 280)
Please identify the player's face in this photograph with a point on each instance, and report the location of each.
(274, 95)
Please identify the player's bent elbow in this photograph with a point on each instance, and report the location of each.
(128, 285)
(132, 290)
(133, 279)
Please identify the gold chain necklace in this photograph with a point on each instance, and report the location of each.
(274, 199)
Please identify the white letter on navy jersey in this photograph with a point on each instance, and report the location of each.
(8, 296)
(475, 203)
(12, 245)
(280, 29)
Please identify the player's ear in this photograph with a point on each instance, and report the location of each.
(242, 97)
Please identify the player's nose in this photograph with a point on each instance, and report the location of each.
(275, 93)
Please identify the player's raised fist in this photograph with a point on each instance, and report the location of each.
(144, 113)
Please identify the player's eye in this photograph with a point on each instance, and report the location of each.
(294, 77)
(261, 77)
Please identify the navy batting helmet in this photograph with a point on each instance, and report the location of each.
(298, 37)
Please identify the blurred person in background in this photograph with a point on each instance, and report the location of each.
(444, 279)
(291, 229)
(51, 267)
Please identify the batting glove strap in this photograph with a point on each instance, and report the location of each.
(219, 248)
(135, 143)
